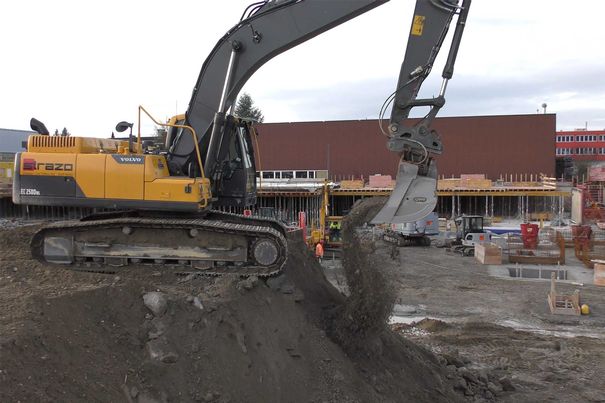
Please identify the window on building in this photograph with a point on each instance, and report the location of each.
(287, 174)
(268, 175)
(311, 174)
(301, 174)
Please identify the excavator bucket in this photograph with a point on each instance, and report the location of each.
(413, 198)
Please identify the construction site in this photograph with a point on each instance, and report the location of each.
(223, 259)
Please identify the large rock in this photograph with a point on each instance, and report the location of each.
(156, 302)
(160, 350)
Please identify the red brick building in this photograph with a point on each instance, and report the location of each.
(581, 145)
(491, 145)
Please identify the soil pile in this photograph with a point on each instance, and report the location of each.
(149, 336)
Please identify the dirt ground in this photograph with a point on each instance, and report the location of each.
(494, 327)
(504, 326)
(75, 336)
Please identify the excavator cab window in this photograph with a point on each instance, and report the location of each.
(245, 150)
(474, 224)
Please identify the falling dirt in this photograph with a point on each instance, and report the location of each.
(74, 336)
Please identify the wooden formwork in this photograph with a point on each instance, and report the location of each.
(552, 254)
(488, 253)
(589, 244)
(563, 304)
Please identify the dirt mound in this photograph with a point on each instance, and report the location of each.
(68, 336)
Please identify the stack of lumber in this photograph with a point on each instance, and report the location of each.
(381, 181)
(467, 181)
(352, 184)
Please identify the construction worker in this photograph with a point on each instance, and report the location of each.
(335, 231)
(319, 250)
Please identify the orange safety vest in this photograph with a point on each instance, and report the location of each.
(319, 250)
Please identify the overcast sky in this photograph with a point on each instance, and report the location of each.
(86, 65)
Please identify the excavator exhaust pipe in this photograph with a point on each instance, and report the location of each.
(413, 198)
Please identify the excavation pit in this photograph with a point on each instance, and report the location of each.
(537, 273)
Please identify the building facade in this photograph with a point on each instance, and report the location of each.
(11, 142)
(581, 145)
(492, 145)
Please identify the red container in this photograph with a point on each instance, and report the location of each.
(529, 234)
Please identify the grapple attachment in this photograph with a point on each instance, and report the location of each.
(413, 198)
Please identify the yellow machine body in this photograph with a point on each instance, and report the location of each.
(88, 172)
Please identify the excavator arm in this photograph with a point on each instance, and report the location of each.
(414, 195)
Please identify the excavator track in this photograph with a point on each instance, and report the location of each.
(400, 240)
(216, 244)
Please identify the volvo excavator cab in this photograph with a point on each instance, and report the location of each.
(234, 175)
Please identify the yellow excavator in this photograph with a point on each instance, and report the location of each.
(163, 206)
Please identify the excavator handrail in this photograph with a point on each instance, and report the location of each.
(191, 129)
